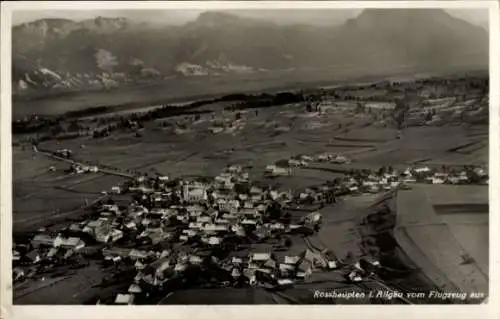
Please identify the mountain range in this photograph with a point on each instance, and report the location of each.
(61, 54)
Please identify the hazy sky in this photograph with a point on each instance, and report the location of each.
(313, 17)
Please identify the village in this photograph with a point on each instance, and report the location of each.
(169, 234)
(242, 192)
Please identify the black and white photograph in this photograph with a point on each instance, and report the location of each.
(250, 156)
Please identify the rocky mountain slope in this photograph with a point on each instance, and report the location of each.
(59, 54)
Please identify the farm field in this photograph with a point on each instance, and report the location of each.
(426, 224)
(76, 286)
(257, 142)
(438, 241)
(40, 194)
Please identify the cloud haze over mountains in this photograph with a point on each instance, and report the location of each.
(281, 16)
(76, 52)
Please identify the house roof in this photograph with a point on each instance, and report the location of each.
(261, 256)
(43, 237)
(134, 288)
(285, 281)
(72, 241)
(304, 265)
(123, 298)
(52, 252)
(214, 240)
(270, 263)
(291, 259)
(138, 253)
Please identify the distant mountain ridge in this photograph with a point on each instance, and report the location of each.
(60, 54)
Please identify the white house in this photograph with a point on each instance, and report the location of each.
(228, 185)
(116, 190)
(277, 226)
(281, 171)
(69, 243)
(369, 183)
(274, 195)
(141, 179)
(248, 222)
(212, 240)
(189, 232)
(353, 276)
(353, 188)
(195, 260)
(285, 282)
(234, 169)
(250, 212)
(195, 193)
(437, 180)
(270, 168)
(134, 289)
(42, 240)
(195, 225)
(222, 221)
(124, 299)
(260, 257)
(424, 169)
(292, 260)
(180, 267)
(481, 172)
(340, 159)
(243, 197)
(408, 172)
(332, 265)
(215, 228)
(203, 219)
(323, 157)
(223, 178)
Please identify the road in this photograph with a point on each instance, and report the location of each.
(104, 170)
(40, 285)
(26, 222)
(371, 284)
(165, 298)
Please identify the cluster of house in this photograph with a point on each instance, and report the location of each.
(66, 153)
(184, 213)
(435, 111)
(171, 226)
(304, 161)
(253, 269)
(206, 216)
(432, 176)
(370, 182)
(226, 126)
(44, 249)
(261, 269)
(332, 158)
(82, 169)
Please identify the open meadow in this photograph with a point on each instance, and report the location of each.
(49, 191)
(256, 139)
